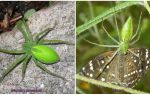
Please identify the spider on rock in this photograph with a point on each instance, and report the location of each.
(34, 49)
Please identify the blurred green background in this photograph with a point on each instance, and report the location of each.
(86, 51)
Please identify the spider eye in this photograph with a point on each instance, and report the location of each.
(45, 54)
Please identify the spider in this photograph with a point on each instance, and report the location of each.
(34, 49)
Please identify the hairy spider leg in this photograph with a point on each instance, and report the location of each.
(42, 34)
(39, 38)
(109, 34)
(24, 28)
(18, 52)
(24, 66)
(117, 27)
(47, 42)
(12, 66)
(100, 44)
(109, 37)
(41, 66)
(137, 31)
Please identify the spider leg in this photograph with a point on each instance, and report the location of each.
(47, 42)
(137, 33)
(24, 66)
(138, 28)
(109, 34)
(12, 66)
(100, 44)
(24, 29)
(42, 34)
(132, 43)
(133, 53)
(41, 66)
(12, 51)
(117, 28)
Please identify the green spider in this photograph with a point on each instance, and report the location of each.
(34, 49)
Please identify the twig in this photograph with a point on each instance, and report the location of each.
(15, 19)
(108, 85)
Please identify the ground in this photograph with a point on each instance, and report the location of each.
(63, 13)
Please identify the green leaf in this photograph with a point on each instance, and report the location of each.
(105, 15)
(29, 13)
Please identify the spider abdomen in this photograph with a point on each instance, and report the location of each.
(45, 54)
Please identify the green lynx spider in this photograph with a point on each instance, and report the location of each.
(26, 54)
(125, 38)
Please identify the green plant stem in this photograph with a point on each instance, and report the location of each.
(12, 51)
(80, 91)
(108, 85)
(105, 15)
(146, 6)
